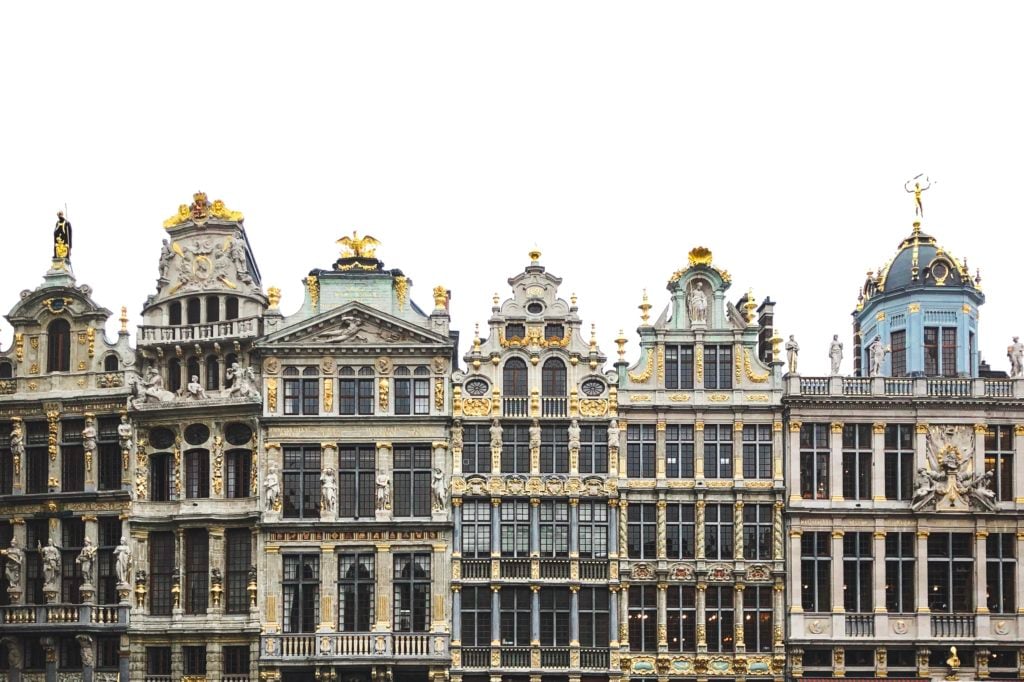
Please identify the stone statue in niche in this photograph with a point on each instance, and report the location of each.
(272, 484)
(496, 433)
(87, 561)
(50, 555)
(574, 434)
(835, 354)
(328, 491)
(89, 435)
(124, 434)
(535, 435)
(440, 492)
(697, 302)
(123, 561)
(792, 353)
(166, 256)
(383, 492)
(1015, 352)
(876, 355)
(12, 567)
(613, 434)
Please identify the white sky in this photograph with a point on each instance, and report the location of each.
(615, 136)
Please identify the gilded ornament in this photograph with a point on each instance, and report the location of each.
(383, 393)
(358, 247)
(273, 297)
(698, 353)
(645, 309)
(749, 369)
(271, 394)
(329, 394)
(648, 369)
(202, 210)
(19, 346)
(718, 397)
(52, 418)
(313, 287)
(218, 465)
(661, 363)
(593, 408)
(177, 466)
(440, 297)
(401, 286)
(679, 397)
(737, 362)
(476, 407)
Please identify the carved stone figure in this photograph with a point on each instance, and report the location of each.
(613, 434)
(535, 434)
(15, 561)
(166, 256)
(51, 565)
(574, 434)
(17, 440)
(697, 303)
(237, 254)
(440, 491)
(14, 659)
(124, 434)
(792, 351)
(876, 354)
(62, 237)
(384, 364)
(87, 561)
(89, 435)
(347, 329)
(457, 435)
(383, 492)
(835, 354)
(328, 491)
(272, 484)
(924, 487)
(496, 432)
(194, 390)
(152, 388)
(243, 382)
(1016, 354)
(123, 561)
(85, 642)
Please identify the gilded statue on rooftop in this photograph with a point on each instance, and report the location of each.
(358, 247)
(919, 183)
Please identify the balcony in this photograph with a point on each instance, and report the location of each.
(593, 570)
(515, 568)
(953, 626)
(515, 406)
(72, 615)
(476, 569)
(543, 568)
(523, 658)
(860, 625)
(905, 387)
(355, 646)
(554, 407)
(245, 328)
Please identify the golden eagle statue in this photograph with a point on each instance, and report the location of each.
(358, 247)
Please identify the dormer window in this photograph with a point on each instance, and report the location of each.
(6, 370)
(554, 331)
(592, 388)
(58, 342)
(515, 330)
(111, 363)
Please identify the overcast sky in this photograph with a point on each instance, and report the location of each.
(614, 136)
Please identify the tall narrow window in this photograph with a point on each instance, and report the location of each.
(814, 457)
(816, 572)
(641, 530)
(197, 570)
(720, 616)
(193, 369)
(554, 616)
(174, 375)
(37, 533)
(356, 592)
(301, 395)
(900, 573)
(857, 461)
(212, 373)
(554, 449)
(757, 532)
(6, 463)
(476, 617)
(718, 451)
(899, 461)
(515, 449)
(476, 449)
(718, 532)
(301, 478)
(515, 528)
(949, 351)
(554, 529)
(898, 354)
(951, 572)
(931, 351)
(174, 313)
(412, 592)
(58, 346)
(193, 310)
(593, 449)
(212, 309)
(301, 592)
(593, 608)
(72, 456)
(679, 450)
(593, 529)
(412, 474)
(109, 455)
(514, 382)
(72, 538)
(757, 619)
(643, 618)
(356, 489)
(235, 661)
(476, 529)
(640, 450)
(553, 378)
(757, 451)
(6, 370)
(515, 616)
(356, 391)
(161, 476)
(38, 461)
(681, 611)
(158, 661)
(238, 542)
(238, 472)
(718, 367)
(1000, 569)
(109, 538)
(681, 531)
(421, 391)
(857, 564)
(197, 474)
(678, 367)
(231, 308)
(161, 569)
(999, 461)
(403, 390)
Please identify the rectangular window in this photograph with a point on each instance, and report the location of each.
(681, 611)
(719, 616)
(593, 529)
(302, 396)
(899, 461)
(757, 619)
(554, 616)
(643, 618)
(757, 532)
(365, 396)
(403, 396)
(757, 451)
(900, 574)
(6, 533)
(109, 538)
(999, 461)
(238, 542)
(476, 616)
(37, 532)
(679, 367)
(515, 616)
(816, 572)
(421, 396)
(301, 586)
(158, 660)
(1000, 568)
(515, 449)
(194, 659)
(301, 478)
(857, 563)
(593, 608)
(718, 451)
(6, 462)
(515, 528)
(197, 474)
(641, 530)
(356, 592)
(681, 531)
(108, 652)
(931, 351)
(72, 538)
(161, 570)
(235, 660)
(640, 450)
(718, 532)
(718, 367)
(554, 449)
(951, 572)
(72, 469)
(476, 529)
(109, 466)
(814, 458)
(37, 462)
(949, 351)
(238, 473)
(356, 396)
(412, 592)
(476, 449)
(593, 449)
(356, 487)
(197, 570)
(679, 450)
(554, 529)
(161, 476)
(857, 461)
(412, 481)
(898, 355)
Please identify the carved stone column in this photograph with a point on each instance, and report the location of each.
(835, 463)
(328, 588)
(698, 450)
(921, 559)
(741, 645)
(737, 449)
(662, 605)
(385, 570)
(662, 528)
(838, 603)
(702, 628)
(793, 482)
(795, 573)
(878, 462)
(384, 470)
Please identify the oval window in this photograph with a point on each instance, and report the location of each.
(197, 434)
(161, 438)
(592, 387)
(476, 387)
(238, 434)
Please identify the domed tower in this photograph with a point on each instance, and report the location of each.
(921, 312)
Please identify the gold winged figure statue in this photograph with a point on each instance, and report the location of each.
(358, 247)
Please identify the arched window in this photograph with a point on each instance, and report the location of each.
(553, 378)
(174, 375)
(212, 373)
(213, 309)
(174, 313)
(58, 340)
(6, 370)
(231, 308)
(514, 382)
(194, 311)
(111, 363)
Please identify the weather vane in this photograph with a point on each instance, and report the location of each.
(919, 183)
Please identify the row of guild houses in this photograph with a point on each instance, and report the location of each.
(344, 494)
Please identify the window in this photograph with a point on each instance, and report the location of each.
(1000, 567)
(641, 531)
(412, 592)
(1002, 663)
(815, 572)
(949, 351)
(301, 592)
(6, 370)
(212, 309)
(193, 369)
(643, 618)
(238, 542)
(194, 658)
(999, 461)
(161, 569)
(554, 449)
(235, 660)
(111, 363)
(950, 572)
(718, 367)
(940, 358)
(109, 455)
(109, 538)
(857, 461)
(237, 473)
(58, 346)
(757, 619)
(355, 592)
(161, 476)
(640, 450)
(476, 616)
(412, 396)
(108, 652)
(554, 529)
(197, 570)
(515, 449)
(757, 532)
(898, 354)
(554, 331)
(301, 478)
(681, 611)
(899, 461)
(72, 538)
(679, 367)
(593, 609)
(515, 616)
(476, 449)
(231, 308)
(679, 450)
(212, 373)
(814, 456)
(718, 451)
(719, 616)
(412, 481)
(476, 529)
(356, 489)
(757, 451)
(302, 396)
(593, 449)
(515, 330)
(174, 313)
(72, 456)
(38, 462)
(158, 660)
(681, 531)
(900, 572)
(6, 462)
(70, 654)
(718, 532)
(193, 310)
(553, 378)
(903, 662)
(514, 382)
(857, 563)
(197, 474)
(554, 616)
(593, 529)
(37, 532)
(515, 528)
(174, 375)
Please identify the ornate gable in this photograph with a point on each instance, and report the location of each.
(351, 326)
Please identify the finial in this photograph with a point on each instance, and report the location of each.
(476, 337)
(593, 336)
(750, 306)
(358, 247)
(572, 299)
(494, 298)
(776, 340)
(621, 343)
(273, 297)
(534, 255)
(124, 319)
(645, 309)
(917, 184)
(440, 297)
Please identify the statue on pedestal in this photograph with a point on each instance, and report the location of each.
(123, 561)
(697, 303)
(792, 351)
(1015, 352)
(328, 491)
(496, 433)
(835, 354)
(50, 555)
(574, 434)
(62, 238)
(440, 492)
(272, 484)
(87, 561)
(613, 434)
(383, 492)
(876, 353)
(15, 561)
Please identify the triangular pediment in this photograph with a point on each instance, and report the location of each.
(352, 325)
